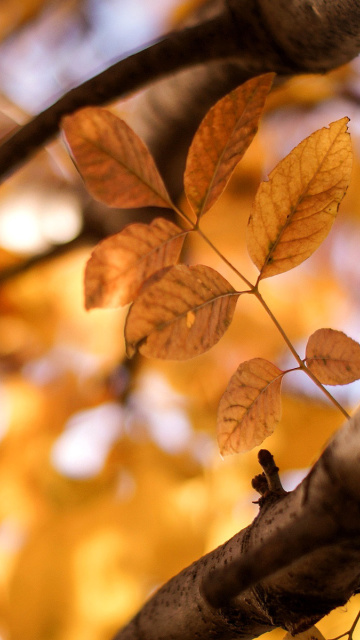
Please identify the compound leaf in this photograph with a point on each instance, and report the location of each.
(120, 264)
(180, 313)
(333, 357)
(221, 140)
(115, 164)
(295, 209)
(250, 407)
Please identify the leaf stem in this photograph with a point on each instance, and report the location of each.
(255, 291)
(301, 362)
(275, 321)
(224, 259)
(325, 391)
(185, 217)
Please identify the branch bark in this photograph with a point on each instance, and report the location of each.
(298, 560)
(285, 36)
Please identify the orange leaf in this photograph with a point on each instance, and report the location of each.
(221, 140)
(250, 407)
(120, 264)
(294, 211)
(180, 313)
(115, 164)
(333, 357)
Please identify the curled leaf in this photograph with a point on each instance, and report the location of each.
(120, 264)
(295, 209)
(221, 140)
(115, 164)
(250, 408)
(180, 313)
(333, 357)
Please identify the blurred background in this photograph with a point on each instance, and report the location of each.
(110, 476)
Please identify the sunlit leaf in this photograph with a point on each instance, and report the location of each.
(221, 140)
(333, 357)
(115, 164)
(311, 634)
(181, 313)
(295, 209)
(250, 407)
(120, 264)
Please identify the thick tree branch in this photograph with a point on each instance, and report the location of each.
(286, 36)
(190, 46)
(298, 560)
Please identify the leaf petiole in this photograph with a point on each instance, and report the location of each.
(255, 291)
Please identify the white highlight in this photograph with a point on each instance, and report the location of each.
(82, 448)
(30, 222)
(164, 411)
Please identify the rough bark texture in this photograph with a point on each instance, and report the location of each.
(316, 34)
(297, 561)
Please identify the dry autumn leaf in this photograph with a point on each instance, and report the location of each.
(250, 407)
(180, 313)
(295, 209)
(221, 140)
(120, 264)
(115, 164)
(333, 357)
(311, 634)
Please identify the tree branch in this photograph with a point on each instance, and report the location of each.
(190, 46)
(298, 560)
(285, 36)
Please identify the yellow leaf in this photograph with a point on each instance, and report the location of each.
(250, 407)
(333, 357)
(180, 313)
(120, 264)
(221, 140)
(295, 209)
(311, 634)
(115, 164)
